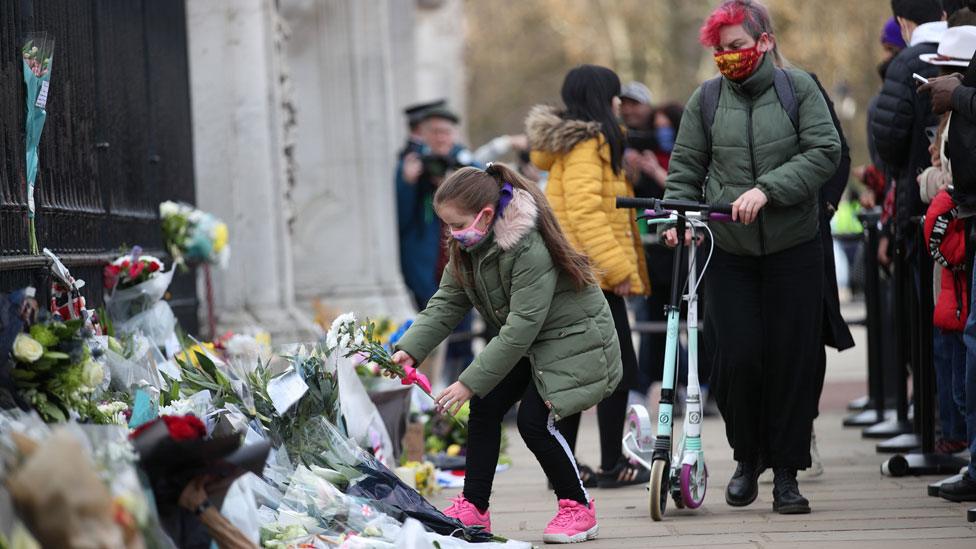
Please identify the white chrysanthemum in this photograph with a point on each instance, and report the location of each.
(180, 407)
(169, 209)
(243, 346)
(339, 332)
(331, 341)
(112, 408)
(359, 339)
(343, 321)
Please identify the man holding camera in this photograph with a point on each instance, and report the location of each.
(418, 175)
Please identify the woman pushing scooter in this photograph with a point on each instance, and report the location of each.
(761, 138)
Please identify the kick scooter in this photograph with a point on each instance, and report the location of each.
(684, 475)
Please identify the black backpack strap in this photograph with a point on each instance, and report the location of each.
(787, 97)
(711, 91)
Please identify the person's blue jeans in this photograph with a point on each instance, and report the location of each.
(950, 379)
(969, 336)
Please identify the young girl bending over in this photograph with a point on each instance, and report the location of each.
(556, 350)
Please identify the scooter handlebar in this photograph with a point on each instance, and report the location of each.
(624, 202)
(680, 206)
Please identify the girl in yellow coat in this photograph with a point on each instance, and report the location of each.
(582, 149)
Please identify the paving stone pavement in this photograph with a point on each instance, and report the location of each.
(853, 504)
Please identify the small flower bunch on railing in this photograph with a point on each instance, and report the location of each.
(193, 236)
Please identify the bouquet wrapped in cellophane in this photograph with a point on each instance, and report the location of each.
(94, 499)
(135, 285)
(38, 56)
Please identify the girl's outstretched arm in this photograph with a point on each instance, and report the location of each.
(533, 284)
(443, 313)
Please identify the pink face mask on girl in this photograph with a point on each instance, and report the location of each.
(471, 235)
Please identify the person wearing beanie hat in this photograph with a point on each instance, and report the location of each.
(891, 35)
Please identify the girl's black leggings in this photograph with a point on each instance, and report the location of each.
(612, 411)
(538, 430)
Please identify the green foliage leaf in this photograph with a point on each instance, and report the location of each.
(24, 375)
(206, 364)
(44, 335)
(50, 411)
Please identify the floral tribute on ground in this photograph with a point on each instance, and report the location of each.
(292, 430)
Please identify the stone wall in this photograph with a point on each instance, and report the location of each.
(297, 120)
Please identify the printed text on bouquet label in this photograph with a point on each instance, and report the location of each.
(42, 95)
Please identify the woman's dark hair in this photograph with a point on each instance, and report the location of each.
(962, 18)
(588, 93)
(952, 6)
(471, 190)
(673, 112)
(918, 11)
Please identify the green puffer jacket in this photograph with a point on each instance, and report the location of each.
(568, 335)
(754, 144)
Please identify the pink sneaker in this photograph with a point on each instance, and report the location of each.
(468, 514)
(573, 523)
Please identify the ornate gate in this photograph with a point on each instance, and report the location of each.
(117, 141)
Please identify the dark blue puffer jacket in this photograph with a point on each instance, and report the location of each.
(899, 128)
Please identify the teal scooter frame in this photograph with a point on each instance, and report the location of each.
(684, 474)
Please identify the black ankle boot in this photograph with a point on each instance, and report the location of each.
(743, 487)
(786, 494)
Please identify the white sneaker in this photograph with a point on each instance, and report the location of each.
(816, 466)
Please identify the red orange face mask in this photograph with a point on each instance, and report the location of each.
(738, 64)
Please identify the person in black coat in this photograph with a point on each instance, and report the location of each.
(903, 116)
(835, 331)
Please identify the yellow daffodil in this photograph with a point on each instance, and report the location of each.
(220, 237)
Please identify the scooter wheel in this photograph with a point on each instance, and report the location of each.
(659, 489)
(693, 485)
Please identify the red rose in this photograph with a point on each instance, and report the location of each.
(136, 270)
(185, 427)
(111, 276)
(140, 429)
(153, 267)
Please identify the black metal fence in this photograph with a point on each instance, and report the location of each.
(117, 141)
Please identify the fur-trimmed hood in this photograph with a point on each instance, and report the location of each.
(517, 220)
(549, 132)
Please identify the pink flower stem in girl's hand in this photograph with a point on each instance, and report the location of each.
(411, 375)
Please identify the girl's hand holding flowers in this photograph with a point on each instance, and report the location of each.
(453, 398)
(403, 359)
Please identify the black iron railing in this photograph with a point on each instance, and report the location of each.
(117, 140)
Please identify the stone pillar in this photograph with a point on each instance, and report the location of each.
(240, 122)
(344, 240)
(403, 58)
(440, 53)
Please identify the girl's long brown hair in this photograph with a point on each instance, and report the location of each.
(471, 190)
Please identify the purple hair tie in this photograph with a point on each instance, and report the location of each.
(505, 196)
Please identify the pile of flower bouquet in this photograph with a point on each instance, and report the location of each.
(285, 422)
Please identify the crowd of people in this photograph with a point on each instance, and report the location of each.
(922, 127)
(550, 264)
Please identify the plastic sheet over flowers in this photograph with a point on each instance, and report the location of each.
(94, 499)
